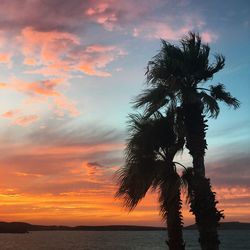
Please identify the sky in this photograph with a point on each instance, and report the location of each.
(69, 71)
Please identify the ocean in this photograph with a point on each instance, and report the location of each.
(115, 240)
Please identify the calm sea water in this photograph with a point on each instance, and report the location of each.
(61, 240)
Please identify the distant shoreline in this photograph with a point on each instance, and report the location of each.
(22, 227)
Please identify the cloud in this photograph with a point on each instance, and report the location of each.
(61, 53)
(95, 57)
(147, 21)
(18, 119)
(172, 28)
(231, 171)
(10, 113)
(41, 14)
(60, 159)
(103, 15)
(45, 47)
(95, 164)
(44, 91)
(71, 15)
(130, 17)
(161, 30)
(72, 170)
(25, 120)
(53, 57)
(5, 58)
(118, 15)
(43, 87)
(208, 37)
(62, 104)
(56, 50)
(27, 174)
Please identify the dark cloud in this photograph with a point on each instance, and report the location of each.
(65, 133)
(42, 14)
(236, 201)
(76, 15)
(60, 158)
(231, 171)
(95, 164)
(45, 15)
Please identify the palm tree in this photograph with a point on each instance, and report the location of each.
(150, 150)
(175, 77)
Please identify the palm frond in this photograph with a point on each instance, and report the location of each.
(153, 99)
(138, 172)
(216, 66)
(211, 106)
(165, 66)
(135, 179)
(218, 92)
(151, 147)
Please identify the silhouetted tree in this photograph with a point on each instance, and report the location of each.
(150, 150)
(175, 77)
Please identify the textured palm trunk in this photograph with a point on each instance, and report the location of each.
(203, 204)
(171, 206)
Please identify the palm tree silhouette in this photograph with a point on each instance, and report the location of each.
(150, 150)
(175, 77)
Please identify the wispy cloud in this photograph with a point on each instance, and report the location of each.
(61, 158)
(44, 91)
(231, 171)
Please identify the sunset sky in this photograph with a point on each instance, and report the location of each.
(69, 70)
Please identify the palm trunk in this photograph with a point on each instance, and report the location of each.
(203, 205)
(171, 208)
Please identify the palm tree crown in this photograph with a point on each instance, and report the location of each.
(149, 154)
(150, 150)
(176, 73)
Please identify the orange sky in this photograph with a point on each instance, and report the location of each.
(59, 182)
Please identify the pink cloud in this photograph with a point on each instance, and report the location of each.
(25, 120)
(56, 55)
(103, 15)
(208, 37)
(43, 87)
(18, 119)
(46, 47)
(96, 57)
(6, 51)
(142, 22)
(3, 85)
(167, 31)
(161, 30)
(118, 15)
(44, 91)
(10, 113)
(61, 53)
(5, 58)
(62, 104)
